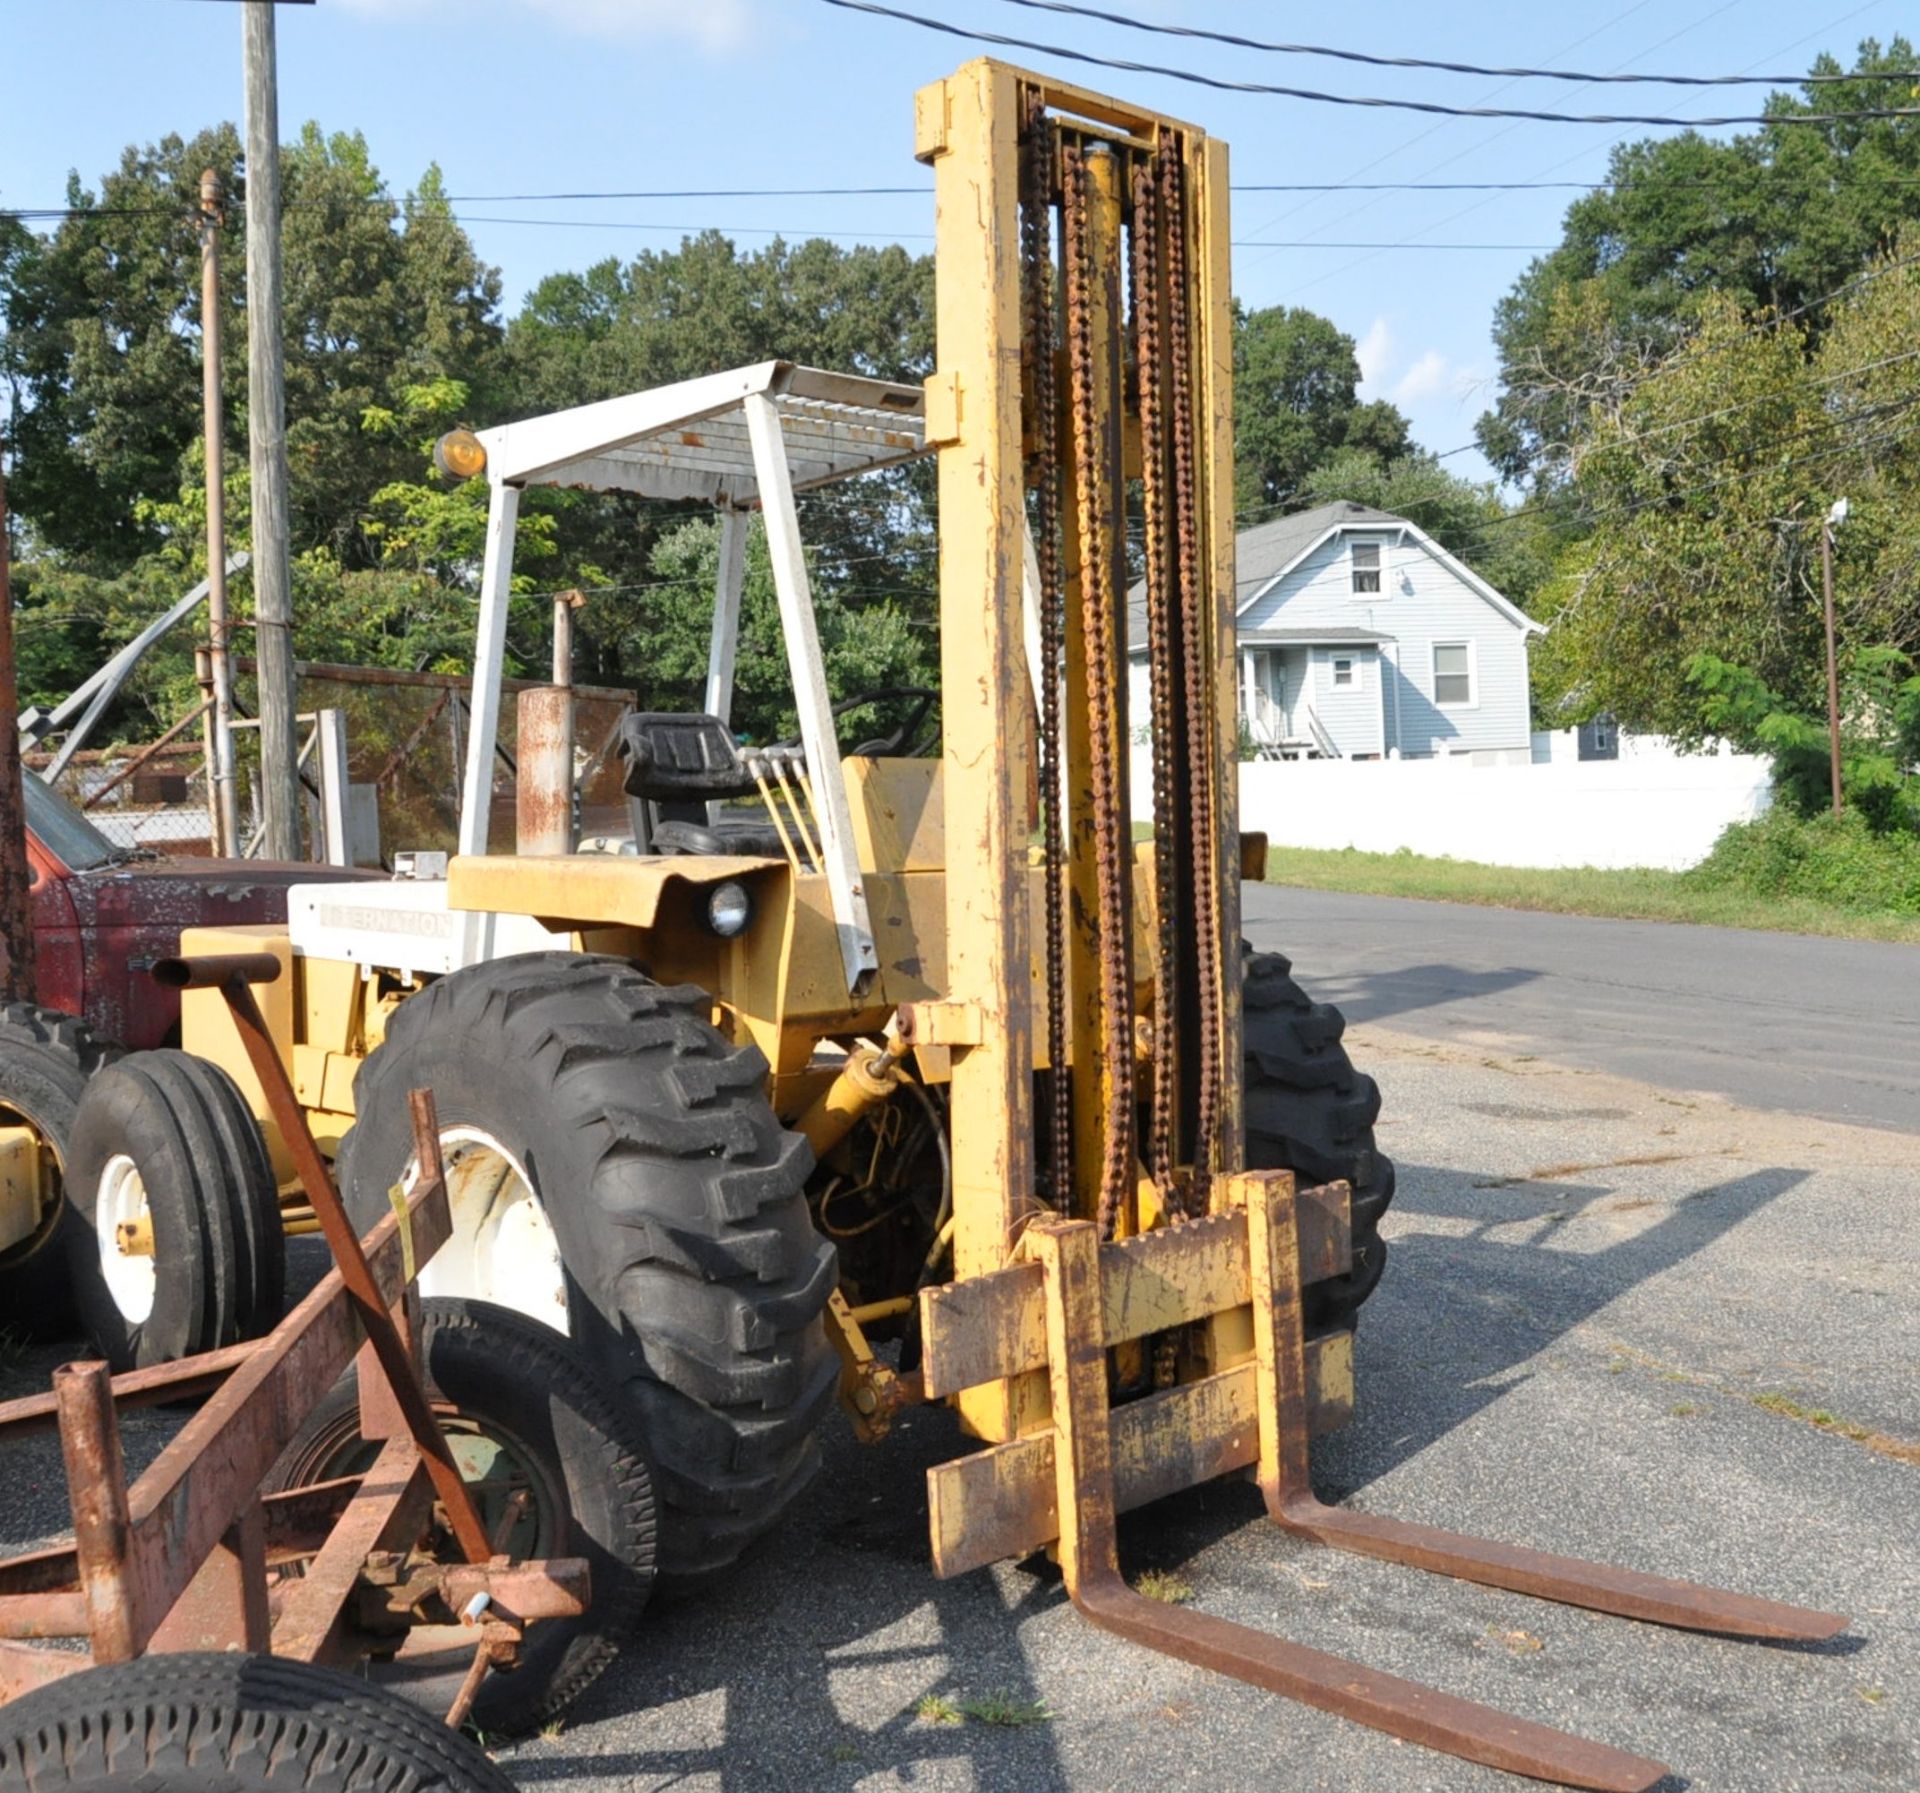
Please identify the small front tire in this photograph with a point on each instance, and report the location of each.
(176, 1245)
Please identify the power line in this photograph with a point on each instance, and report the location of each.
(1452, 68)
(1656, 183)
(1126, 66)
(768, 230)
(1554, 168)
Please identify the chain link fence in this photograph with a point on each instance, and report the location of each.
(406, 740)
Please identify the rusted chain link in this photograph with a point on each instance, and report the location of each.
(1149, 361)
(1195, 608)
(1094, 489)
(1036, 275)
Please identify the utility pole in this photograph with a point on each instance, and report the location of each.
(267, 442)
(223, 810)
(16, 900)
(1838, 514)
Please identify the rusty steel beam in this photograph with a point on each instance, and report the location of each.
(23, 1668)
(185, 1379)
(543, 785)
(225, 1606)
(102, 1519)
(1286, 1482)
(297, 1522)
(220, 971)
(184, 1504)
(385, 1514)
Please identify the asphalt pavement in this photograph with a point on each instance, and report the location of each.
(1782, 1021)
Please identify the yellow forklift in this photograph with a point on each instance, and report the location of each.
(908, 1073)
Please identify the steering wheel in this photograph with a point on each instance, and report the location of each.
(917, 699)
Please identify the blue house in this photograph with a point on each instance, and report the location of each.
(1361, 637)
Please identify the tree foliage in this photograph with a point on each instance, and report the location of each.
(102, 340)
(1879, 736)
(1770, 220)
(1702, 491)
(1296, 404)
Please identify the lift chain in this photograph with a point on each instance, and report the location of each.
(1036, 274)
(1198, 818)
(1149, 362)
(1109, 829)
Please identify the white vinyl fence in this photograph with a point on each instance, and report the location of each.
(1660, 812)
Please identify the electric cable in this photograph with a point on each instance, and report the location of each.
(1451, 68)
(1267, 89)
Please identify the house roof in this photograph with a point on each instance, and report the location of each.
(1269, 550)
(1311, 637)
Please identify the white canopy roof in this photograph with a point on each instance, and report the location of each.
(689, 440)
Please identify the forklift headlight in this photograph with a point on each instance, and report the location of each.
(729, 909)
(459, 455)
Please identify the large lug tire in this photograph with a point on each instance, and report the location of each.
(1309, 1111)
(46, 1058)
(164, 1141)
(228, 1723)
(692, 1273)
(523, 1412)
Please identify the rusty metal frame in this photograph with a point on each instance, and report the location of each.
(182, 1557)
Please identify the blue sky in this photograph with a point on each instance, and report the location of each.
(550, 96)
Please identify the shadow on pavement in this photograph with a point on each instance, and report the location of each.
(1376, 995)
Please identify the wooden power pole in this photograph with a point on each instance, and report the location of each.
(16, 899)
(223, 811)
(1836, 515)
(267, 443)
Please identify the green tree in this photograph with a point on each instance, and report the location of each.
(101, 341)
(1772, 219)
(1702, 492)
(706, 306)
(1879, 736)
(1295, 381)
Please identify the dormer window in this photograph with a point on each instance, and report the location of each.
(1366, 569)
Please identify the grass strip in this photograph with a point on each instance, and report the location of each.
(1633, 895)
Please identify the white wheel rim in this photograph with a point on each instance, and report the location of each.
(502, 1247)
(121, 1200)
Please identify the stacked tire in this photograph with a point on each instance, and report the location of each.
(231, 1723)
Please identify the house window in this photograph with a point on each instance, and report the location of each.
(1366, 568)
(1343, 671)
(1452, 674)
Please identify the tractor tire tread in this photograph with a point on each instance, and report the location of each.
(705, 1276)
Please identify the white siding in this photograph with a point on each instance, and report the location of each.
(1351, 714)
(1421, 602)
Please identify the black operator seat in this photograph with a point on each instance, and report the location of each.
(675, 766)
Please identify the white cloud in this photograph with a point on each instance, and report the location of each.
(716, 24)
(1374, 352)
(1426, 378)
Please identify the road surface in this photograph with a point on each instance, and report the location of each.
(1780, 1021)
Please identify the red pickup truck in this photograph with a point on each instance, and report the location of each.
(102, 914)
